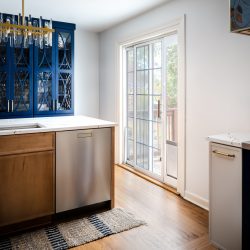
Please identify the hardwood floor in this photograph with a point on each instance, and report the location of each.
(172, 223)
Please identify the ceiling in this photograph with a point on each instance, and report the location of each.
(93, 15)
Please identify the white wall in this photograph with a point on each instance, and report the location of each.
(217, 79)
(86, 73)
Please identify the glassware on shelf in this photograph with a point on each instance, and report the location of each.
(46, 36)
(30, 38)
(50, 34)
(7, 31)
(35, 36)
(41, 36)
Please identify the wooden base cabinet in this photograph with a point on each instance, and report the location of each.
(27, 179)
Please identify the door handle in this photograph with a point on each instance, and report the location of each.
(12, 105)
(159, 109)
(223, 154)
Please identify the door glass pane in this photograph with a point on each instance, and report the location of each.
(130, 105)
(43, 76)
(157, 135)
(22, 57)
(3, 85)
(22, 77)
(64, 50)
(146, 157)
(130, 150)
(44, 91)
(157, 162)
(130, 81)
(45, 57)
(64, 91)
(130, 128)
(146, 57)
(142, 106)
(140, 58)
(157, 58)
(157, 82)
(130, 61)
(172, 105)
(3, 54)
(142, 82)
(21, 91)
(139, 155)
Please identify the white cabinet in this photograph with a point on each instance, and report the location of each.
(225, 209)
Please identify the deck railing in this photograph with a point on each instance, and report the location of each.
(172, 125)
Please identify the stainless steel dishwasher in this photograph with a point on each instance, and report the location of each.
(83, 168)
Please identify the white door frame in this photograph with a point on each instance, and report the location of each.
(178, 26)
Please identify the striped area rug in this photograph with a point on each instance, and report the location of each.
(74, 233)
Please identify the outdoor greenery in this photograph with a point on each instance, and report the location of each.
(172, 74)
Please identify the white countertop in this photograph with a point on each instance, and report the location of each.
(231, 139)
(49, 124)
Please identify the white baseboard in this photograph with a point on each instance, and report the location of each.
(197, 200)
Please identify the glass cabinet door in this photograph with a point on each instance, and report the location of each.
(22, 79)
(64, 71)
(4, 90)
(44, 81)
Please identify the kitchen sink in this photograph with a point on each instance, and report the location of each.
(21, 126)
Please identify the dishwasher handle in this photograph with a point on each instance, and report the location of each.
(84, 134)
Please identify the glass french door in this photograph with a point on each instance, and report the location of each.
(151, 79)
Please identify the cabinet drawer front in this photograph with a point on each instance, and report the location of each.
(16, 144)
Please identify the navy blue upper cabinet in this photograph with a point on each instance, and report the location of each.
(38, 82)
(16, 81)
(44, 80)
(54, 73)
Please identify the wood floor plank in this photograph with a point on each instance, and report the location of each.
(172, 222)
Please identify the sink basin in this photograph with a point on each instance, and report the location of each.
(21, 126)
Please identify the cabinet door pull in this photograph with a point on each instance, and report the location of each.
(224, 154)
(53, 105)
(12, 106)
(8, 104)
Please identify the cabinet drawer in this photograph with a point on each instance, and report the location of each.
(16, 144)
